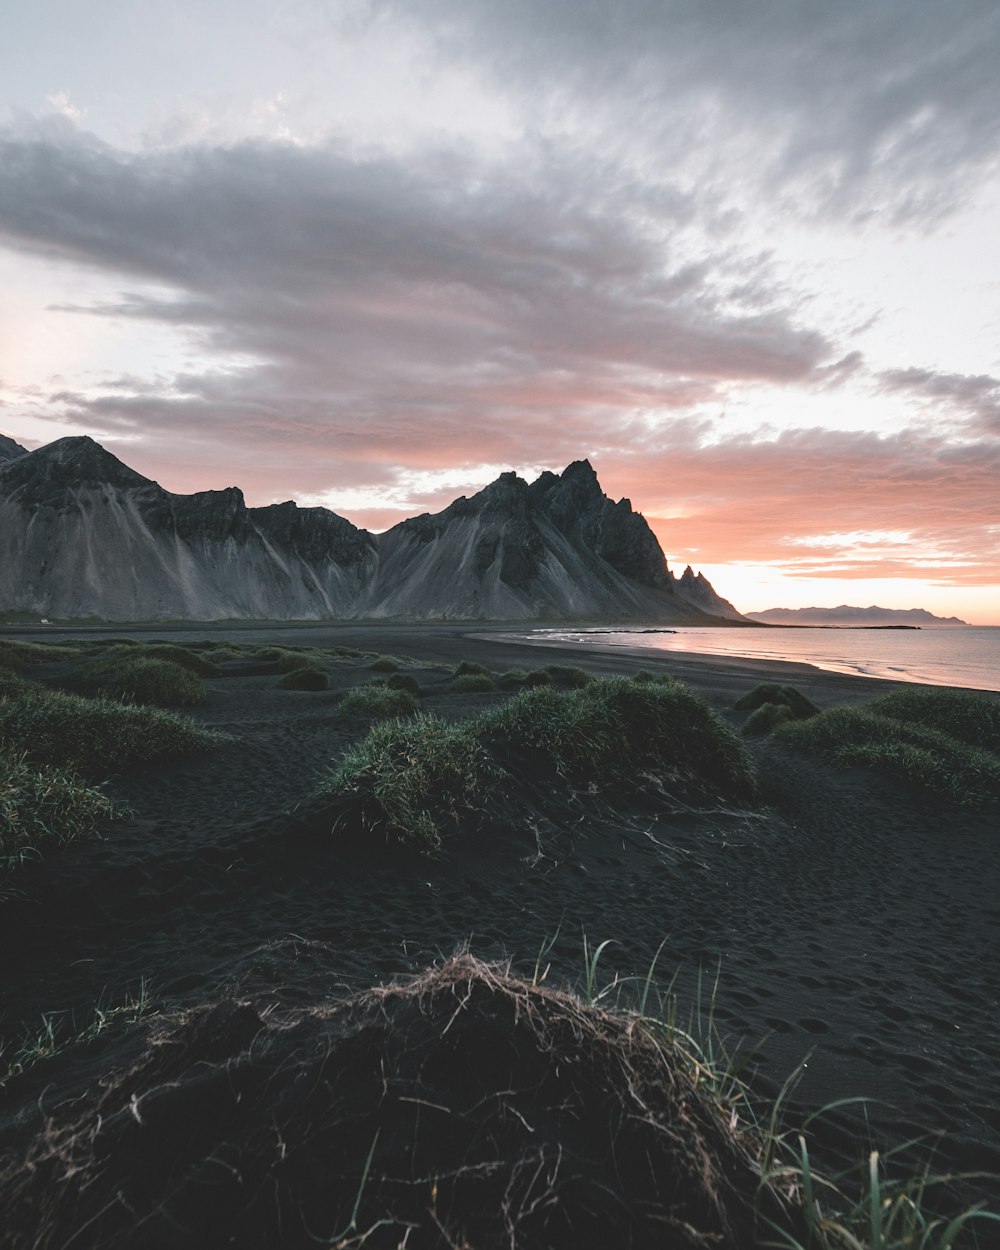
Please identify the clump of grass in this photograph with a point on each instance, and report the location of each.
(863, 1208)
(767, 717)
(377, 701)
(512, 679)
(403, 681)
(469, 668)
(413, 778)
(608, 732)
(304, 679)
(42, 805)
(798, 705)
(95, 736)
(472, 683)
(966, 774)
(971, 718)
(384, 664)
(616, 728)
(537, 677)
(110, 661)
(59, 1031)
(18, 655)
(569, 675)
(156, 683)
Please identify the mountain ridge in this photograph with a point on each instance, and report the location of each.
(845, 614)
(82, 534)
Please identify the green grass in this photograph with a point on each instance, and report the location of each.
(403, 681)
(383, 664)
(111, 660)
(798, 705)
(569, 675)
(152, 682)
(617, 729)
(377, 701)
(864, 1207)
(469, 668)
(15, 656)
(609, 733)
(512, 678)
(95, 736)
(765, 718)
(304, 679)
(926, 757)
(413, 778)
(42, 806)
(971, 718)
(472, 683)
(60, 1031)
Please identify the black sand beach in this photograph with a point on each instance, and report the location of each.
(851, 922)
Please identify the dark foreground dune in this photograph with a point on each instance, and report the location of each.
(851, 922)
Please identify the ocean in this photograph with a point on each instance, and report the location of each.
(961, 656)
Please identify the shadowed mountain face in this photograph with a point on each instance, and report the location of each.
(83, 535)
(9, 449)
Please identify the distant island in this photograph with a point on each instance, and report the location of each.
(846, 616)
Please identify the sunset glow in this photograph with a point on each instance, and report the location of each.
(371, 254)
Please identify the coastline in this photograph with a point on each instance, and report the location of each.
(846, 915)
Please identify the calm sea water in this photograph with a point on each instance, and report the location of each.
(935, 657)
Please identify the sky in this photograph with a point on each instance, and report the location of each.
(741, 254)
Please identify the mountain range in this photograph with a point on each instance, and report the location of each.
(83, 535)
(847, 615)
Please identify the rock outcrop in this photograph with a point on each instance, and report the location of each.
(9, 449)
(83, 535)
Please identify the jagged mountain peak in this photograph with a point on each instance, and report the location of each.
(83, 534)
(82, 459)
(9, 450)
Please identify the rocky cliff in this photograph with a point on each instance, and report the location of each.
(82, 534)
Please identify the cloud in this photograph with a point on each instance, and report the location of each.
(975, 396)
(851, 108)
(824, 503)
(442, 311)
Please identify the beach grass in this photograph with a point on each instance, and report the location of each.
(864, 1206)
(772, 694)
(615, 728)
(304, 678)
(95, 736)
(110, 660)
(15, 655)
(608, 733)
(472, 683)
(377, 701)
(907, 748)
(43, 806)
(151, 682)
(413, 778)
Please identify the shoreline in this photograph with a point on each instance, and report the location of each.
(845, 913)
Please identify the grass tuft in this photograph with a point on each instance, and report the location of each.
(95, 736)
(469, 668)
(304, 679)
(43, 806)
(377, 701)
(413, 778)
(15, 656)
(615, 729)
(780, 696)
(472, 683)
(569, 675)
(110, 661)
(147, 681)
(384, 664)
(766, 717)
(608, 733)
(907, 748)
